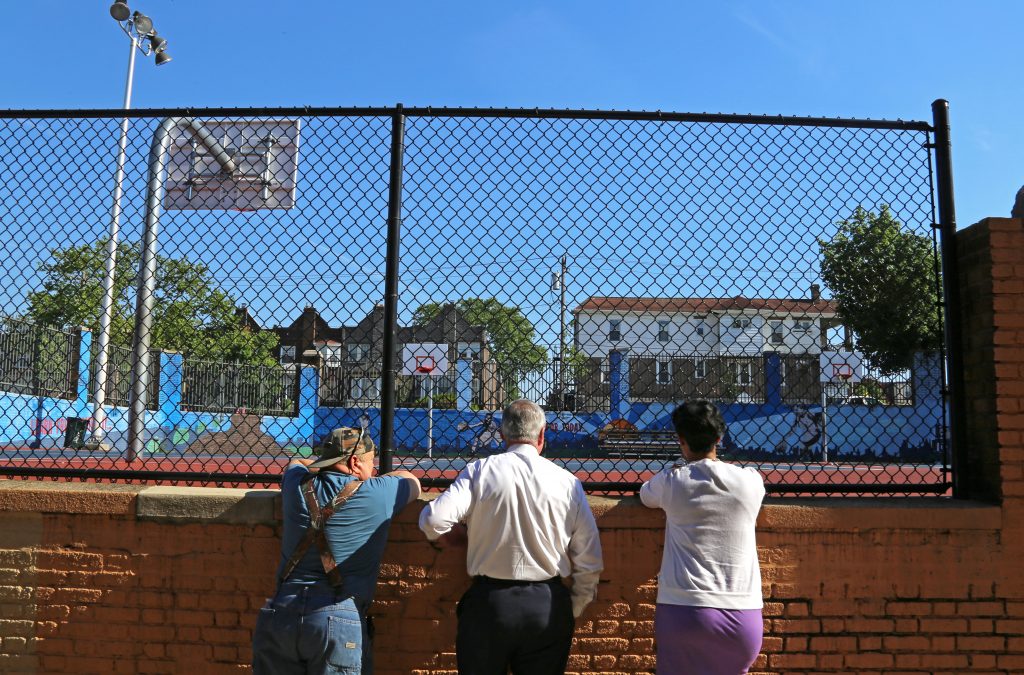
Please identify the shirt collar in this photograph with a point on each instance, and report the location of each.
(523, 449)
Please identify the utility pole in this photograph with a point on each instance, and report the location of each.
(558, 284)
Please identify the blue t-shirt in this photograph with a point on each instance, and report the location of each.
(356, 533)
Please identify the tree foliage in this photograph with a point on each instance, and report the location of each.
(190, 314)
(882, 277)
(509, 333)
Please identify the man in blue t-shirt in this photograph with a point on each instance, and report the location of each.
(317, 620)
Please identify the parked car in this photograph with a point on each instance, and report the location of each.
(858, 400)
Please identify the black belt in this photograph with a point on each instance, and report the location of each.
(482, 579)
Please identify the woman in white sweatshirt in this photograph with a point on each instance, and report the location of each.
(708, 617)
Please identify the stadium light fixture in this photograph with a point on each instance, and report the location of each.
(119, 10)
(157, 43)
(143, 23)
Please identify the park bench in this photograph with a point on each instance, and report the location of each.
(640, 444)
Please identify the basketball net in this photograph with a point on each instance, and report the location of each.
(425, 364)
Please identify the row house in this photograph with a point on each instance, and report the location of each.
(351, 357)
(705, 347)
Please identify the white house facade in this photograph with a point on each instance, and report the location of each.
(703, 326)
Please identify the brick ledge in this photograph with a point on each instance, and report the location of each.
(244, 506)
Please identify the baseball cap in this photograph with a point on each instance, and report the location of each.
(341, 444)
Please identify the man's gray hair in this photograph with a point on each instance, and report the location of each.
(522, 420)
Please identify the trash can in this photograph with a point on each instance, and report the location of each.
(74, 432)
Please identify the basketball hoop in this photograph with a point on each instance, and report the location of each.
(842, 371)
(425, 364)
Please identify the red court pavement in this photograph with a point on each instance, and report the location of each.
(190, 470)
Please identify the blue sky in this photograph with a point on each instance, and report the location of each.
(875, 61)
(866, 59)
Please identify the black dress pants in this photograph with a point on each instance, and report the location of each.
(525, 626)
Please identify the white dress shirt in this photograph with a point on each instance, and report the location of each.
(710, 556)
(528, 520)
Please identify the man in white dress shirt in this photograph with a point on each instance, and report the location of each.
(528, 526)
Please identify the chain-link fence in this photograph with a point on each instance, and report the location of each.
(37, 360)
(260, 277)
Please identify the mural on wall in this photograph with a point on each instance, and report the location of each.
(244, 436)
(487, 439)
(804, 436)
(767, 431)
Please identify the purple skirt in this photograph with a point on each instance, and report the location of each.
(706, 640)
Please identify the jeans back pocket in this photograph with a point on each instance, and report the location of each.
(345, 643)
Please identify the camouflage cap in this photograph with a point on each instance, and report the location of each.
(341, 444)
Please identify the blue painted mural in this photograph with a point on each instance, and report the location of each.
(770, 430)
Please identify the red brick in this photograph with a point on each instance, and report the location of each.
(980, 643)
(907, 643)
(791, 660)
(857, 625)
(795, 625)
(943, 661)
(1011, 626)
(869, 660)
(1011, 662)
(980, 609)
(943, 625)
(839, 643)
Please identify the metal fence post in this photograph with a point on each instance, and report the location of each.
(950, 291)
(388, 376)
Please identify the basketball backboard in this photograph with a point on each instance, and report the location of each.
(266, 153)
(841, 366)
(417, 356)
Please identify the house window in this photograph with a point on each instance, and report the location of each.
(701, 329)
(365, 388)
(469, 350)
(744, 373)
(778, 336)
(700, 369)
(741, 323)
(331, 354)
(357, 352)
(615, 330)
(803, 325)
(287, 354)
(663, 371)
(663, 331)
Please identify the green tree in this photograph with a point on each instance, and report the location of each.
(578, 366)
(871, 388)
(882, 277)
(190, 314)
(509, 333)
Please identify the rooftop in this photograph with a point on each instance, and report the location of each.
(704, 305)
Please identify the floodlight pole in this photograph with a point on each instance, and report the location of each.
(136, 42)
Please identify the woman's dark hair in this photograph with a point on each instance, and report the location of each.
(699, 424)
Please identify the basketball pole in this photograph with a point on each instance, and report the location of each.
(430, 416)
(824, 425)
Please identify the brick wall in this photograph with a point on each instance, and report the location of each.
(108, 579)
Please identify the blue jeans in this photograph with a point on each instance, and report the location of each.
(309, 629)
